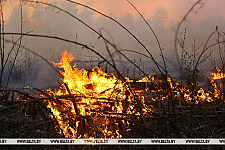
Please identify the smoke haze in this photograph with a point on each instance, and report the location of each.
(162, 15)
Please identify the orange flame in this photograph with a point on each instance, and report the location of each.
(218, 75)
(88, 83)
(98, 95)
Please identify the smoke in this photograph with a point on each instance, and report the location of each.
(163, 16)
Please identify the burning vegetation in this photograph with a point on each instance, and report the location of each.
(100, 105)
(95, 104)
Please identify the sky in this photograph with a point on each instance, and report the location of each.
(162, 15)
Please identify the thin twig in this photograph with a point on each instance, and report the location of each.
(178, 27)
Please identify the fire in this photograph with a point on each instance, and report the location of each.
(200, 96)
(95, 82)
(148, 79)
(218, 75)
(215, 76)
(98, 105)
(97, 98)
